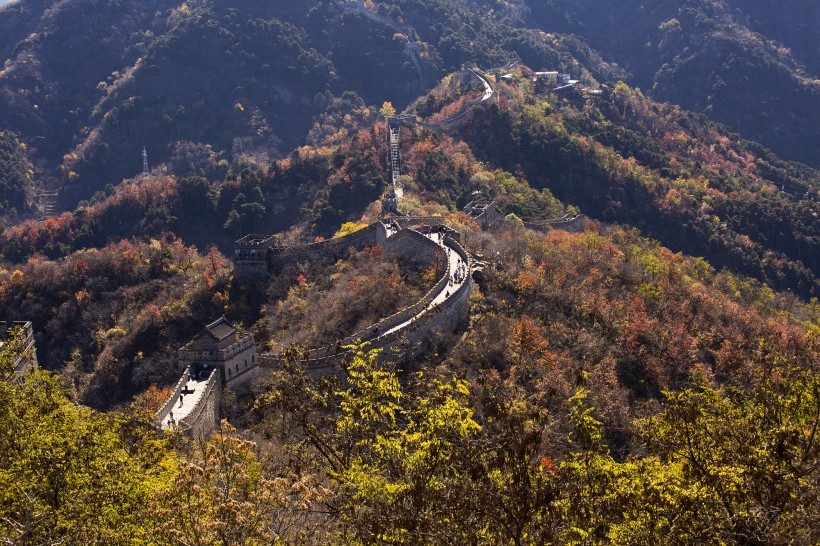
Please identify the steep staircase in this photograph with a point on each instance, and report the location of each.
(395, 157)
(47, 202)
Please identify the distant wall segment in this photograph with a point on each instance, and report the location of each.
(568, 222)
(257, 256)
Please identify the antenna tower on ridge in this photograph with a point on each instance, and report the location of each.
(144, 162)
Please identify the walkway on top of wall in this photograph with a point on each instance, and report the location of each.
(195, 391)
(453, 262)
(389, 329)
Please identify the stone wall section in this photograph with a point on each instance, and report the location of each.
(412, 247)
(250, 269)
(257, 256)
(455, 309)
(373, 235)
(243, 370)
(420, 323)
(574, 224)
(204, 418)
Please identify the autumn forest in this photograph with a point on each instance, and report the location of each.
(648, 374)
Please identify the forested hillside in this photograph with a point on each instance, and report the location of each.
(679, 177)
(622, 348)
(753, 65)
(246, 80)
(618, 157)
(605, 389)
(16, 176)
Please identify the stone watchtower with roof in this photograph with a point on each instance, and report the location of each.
(221, 345)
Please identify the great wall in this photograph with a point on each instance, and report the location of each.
(222, 356)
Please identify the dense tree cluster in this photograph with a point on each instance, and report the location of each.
(263, 199)
(751, 65)
(112, 318)
(686, 181)
(441, 460)
(16, 176)
(430, 460)
(72, 475)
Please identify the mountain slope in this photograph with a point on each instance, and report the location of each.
(16, 188)
(719, 57)
(680, 178)
(245, 79)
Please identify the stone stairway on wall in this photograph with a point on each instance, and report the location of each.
(47, 202)
(395, 158)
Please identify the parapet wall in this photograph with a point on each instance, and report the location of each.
(567, 223)
(373, 235)
(419, 322)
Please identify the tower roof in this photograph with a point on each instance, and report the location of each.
(220, 328)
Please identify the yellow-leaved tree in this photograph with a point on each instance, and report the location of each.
(387, 110)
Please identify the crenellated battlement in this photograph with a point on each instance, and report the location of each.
(220, 346)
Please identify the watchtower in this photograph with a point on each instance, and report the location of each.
(251, 254)
(482, 210)
(220, 346)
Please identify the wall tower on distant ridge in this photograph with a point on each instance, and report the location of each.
(144, 162)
